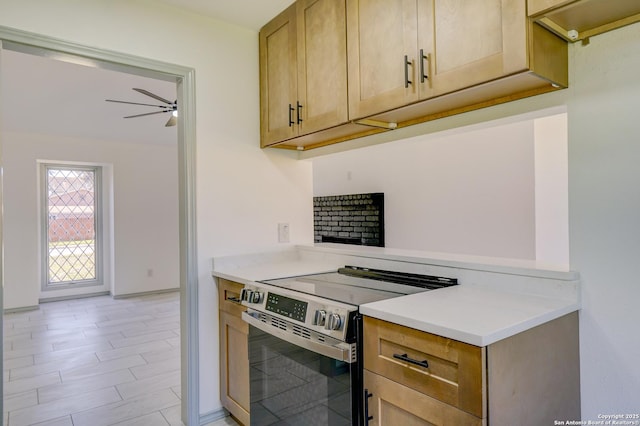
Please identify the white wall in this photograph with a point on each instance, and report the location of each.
(604, 209)
(242, 191)
(141, 241)
(551, 189)
(469, 192)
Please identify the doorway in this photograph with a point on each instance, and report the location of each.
(183, 77)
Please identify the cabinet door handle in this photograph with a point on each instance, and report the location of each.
(298, 112)
(423, 75)
(405, 357)
(291, 122)
(407, 62)
(367, 417)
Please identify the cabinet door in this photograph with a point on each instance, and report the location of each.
(234, 362)
(278, 84)
(379, 35)
(448, 370)
(470, 42)
(393, 404)
(322, 65)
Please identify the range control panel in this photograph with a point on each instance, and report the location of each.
(286, 306)
(315, 313)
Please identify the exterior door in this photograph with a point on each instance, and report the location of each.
(71, 237)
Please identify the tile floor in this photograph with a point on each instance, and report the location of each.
(95, 361)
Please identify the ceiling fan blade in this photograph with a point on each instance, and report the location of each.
(135, 103)
(148, 113)
(154, 96)
(171, 122)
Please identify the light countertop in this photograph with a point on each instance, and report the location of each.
(475, 312)
(471, 314)
(274, 270)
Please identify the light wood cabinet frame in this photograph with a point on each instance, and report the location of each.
(456, 371)
(303, 71)
(234, 352)
(587, 18)
(531, 377)
(516, 58)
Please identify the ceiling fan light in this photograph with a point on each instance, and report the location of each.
(175, 113)
(172, 121)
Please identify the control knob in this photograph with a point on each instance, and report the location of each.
(246, 294)
(334, 322)
(320, 317)
(256, 297)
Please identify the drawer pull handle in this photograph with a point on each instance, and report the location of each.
(233, 299)
(405, 357)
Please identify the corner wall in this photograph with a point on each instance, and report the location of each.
(604, 217)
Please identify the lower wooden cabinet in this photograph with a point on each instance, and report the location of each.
(392, 404)
(417, 378)
(234, 352)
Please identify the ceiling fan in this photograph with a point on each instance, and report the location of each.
(168, 106)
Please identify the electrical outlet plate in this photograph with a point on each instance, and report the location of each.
(283, 232)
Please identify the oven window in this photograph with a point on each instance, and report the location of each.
(295, 386)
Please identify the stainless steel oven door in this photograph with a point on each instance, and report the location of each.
(293, 382)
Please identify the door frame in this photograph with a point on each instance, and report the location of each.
(184, 77)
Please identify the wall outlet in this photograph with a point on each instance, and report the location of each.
(149, 272)
(283, 232)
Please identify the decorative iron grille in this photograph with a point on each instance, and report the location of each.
(71, 225)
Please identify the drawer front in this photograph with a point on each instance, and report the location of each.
(229, 297)
(447, 370)
(391, 404)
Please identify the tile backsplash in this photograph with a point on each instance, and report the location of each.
(349, 219)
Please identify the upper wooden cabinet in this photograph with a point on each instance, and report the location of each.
(405, 61)
(402, 51)
(478, 53)
(580, 19)
(303, 70)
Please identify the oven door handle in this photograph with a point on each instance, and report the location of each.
(339, 350)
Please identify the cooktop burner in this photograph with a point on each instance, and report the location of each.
(357, 285)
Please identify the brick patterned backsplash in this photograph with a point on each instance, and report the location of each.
(349, 219)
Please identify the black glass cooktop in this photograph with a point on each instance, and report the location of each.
(356, 285)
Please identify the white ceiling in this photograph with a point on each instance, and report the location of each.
(245, 13)
(42, 95)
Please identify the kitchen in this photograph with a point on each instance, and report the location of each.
(601, 102)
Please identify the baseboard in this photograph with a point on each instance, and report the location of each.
(145, 293)
(213, 416)
(21, 309)
(76, 296)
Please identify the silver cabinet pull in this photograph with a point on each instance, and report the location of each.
(424, 75)
(407, 62)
